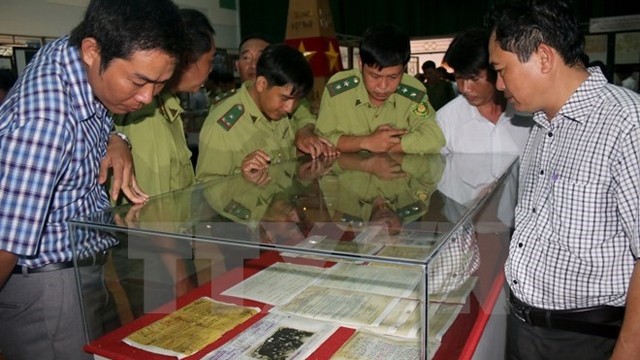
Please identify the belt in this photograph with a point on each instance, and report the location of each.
(97, 259)
(599, 320)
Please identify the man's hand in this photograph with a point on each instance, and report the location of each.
(384, 139)
(254, 167)
(257, 160)
(119, 159)
(310, 143)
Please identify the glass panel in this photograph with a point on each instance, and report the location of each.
(361, 242)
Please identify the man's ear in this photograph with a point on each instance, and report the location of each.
(547, 57)
(90, 52)
(261, 83)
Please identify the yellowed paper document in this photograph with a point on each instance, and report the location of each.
(191, 328)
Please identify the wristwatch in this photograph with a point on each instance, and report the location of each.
(122, 136)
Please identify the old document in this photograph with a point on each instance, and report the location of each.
(342, 306)
(458, 295)
(374, 279)
(191, 328)
(441, 321)
(363, 345)
(277, 284)
(276, 336)
(402, 321)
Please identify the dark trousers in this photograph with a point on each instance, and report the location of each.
(526, 342)
(41, 318)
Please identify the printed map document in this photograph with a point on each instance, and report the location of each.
(276, 336)
(277, 284)
(191, 328)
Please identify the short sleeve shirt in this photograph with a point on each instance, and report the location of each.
(53, 135)
(235, 128)
(345, 110)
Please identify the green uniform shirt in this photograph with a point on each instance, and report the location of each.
(345, 110)
(235, 128)
(159, 148)
(301, 117)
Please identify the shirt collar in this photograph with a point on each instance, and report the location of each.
(86, 104)
(580, 103)
(250, 106)
(169, 105)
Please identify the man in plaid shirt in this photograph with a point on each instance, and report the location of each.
(572, 258)
(54, 131)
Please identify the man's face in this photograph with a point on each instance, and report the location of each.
(194, 76)
(126, 84)
(519, 81)
(249, 54)
(477, 89)
(275, 102)
(381, 83)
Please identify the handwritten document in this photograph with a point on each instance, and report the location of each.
(277, 284)
(191, 328)
(342, 306)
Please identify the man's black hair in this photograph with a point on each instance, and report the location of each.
(384, 46)
(122, 27)
(283, 65)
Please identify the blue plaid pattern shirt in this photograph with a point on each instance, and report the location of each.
(578, 218)
(53, 135)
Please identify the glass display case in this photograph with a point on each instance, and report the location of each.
(339, 258)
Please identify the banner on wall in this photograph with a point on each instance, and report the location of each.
(310, 30)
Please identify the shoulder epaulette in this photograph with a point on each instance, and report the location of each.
(222, 96)
(342, 85)
(410, 93)
(231, 117)
(238, 210)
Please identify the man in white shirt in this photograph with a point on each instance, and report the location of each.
(479, 121)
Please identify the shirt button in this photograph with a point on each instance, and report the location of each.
(541, 172)
(520, 245)
(550, 134)
(533, 210)
(515, 282)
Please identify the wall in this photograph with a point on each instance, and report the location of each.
(54, 18)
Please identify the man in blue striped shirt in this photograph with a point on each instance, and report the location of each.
(54, 133)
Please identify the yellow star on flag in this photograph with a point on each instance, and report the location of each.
(332, 55)
(307, 54)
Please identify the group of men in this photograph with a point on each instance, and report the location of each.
(377, 109)
(571, 267)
